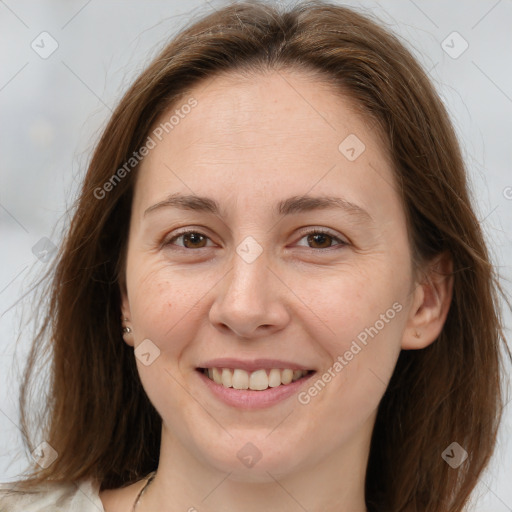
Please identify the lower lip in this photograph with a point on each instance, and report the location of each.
(250, 399)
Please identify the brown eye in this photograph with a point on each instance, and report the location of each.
(319, 239)
(195, 239)
(191, 240)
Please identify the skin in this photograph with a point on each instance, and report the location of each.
(249, 144)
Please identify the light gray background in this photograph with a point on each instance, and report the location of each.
(52, 111)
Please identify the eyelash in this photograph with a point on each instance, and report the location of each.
(319, 231)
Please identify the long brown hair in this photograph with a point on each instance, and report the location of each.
(99, 418)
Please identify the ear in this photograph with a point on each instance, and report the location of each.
(126, 316)
(431, 301)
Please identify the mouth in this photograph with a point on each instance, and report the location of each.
(259, 380)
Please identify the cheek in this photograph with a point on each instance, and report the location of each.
(162, 304)
(366, 315)
(362, 356)
(357, 298)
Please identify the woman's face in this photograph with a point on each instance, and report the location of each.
(257, 281)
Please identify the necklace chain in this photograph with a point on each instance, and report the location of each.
(141, 492)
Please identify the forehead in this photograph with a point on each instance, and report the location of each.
(273, 133)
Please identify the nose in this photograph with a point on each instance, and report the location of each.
(251, 300)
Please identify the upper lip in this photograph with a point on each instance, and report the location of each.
(251, 365)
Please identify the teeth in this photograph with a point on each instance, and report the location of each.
(286, 376)
(226, 379)
(240, 379)
(215, 374)
(297, 374)
(258, 380)
(274, 378)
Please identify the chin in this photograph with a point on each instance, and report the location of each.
(257, 461)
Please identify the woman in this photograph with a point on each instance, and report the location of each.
(274, 288)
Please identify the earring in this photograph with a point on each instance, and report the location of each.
(126, 330)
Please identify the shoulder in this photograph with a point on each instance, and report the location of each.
(81, 496)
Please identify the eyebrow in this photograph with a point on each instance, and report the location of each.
(290, 206)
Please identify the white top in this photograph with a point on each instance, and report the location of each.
(82, 496)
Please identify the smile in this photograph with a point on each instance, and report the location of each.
(258, 380)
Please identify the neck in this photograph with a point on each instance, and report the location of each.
(331, 484)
